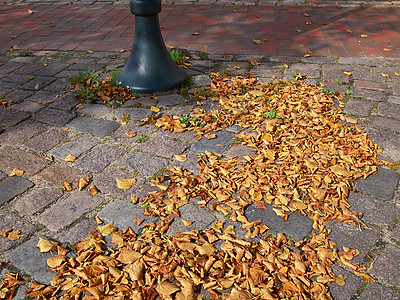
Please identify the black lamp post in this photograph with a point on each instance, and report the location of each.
(150, 67)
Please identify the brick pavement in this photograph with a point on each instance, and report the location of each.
(31, 129)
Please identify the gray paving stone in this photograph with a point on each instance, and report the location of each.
(186, 136)
(202, 80)
(36, 200)
(370, 85)
(96, 111)
(97, 127)
(16, 136)
(240, 151)
(29, 259)
(58, 173)
(2, 175)
(386, 266)
(223, 138)
(11, 220)
(353, 283)
(358, 107)
(122, 214)
(388, 140)
(385, 123)
(369, 94)
(106, 183)
(11, 158)
(135, 113)
(191, 212)
(376, 291)
(75, 147)
(209, 106)
(99, 158)
(119, 136)
(50, 70)
(331, 72)
(389, 110)
(66, 102)
(311, 70)
(28, 106)
(78, 232)
(335, 87)
(46, 141)
(350, 236)
(66, 211)
(54, 117)
(145, 102)
(10, 117)
(178, 110)
(395, 233)
(394, 99)
(189, 164)
(381, 185)
(296, 227)
(162, 146)
(374, 211)
(143, 163)
(170, 100)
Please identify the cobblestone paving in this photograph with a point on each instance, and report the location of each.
(33, 128)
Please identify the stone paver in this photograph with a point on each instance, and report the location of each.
(135, 114)
(381, 185)
(122, 214)
(190, 212)
(11, 117)
(75, 147)
(19, 134)
(96, 111)
(240, 151)
(218, 144)
(12, 187)
(189, 164)
(170, 100)
(386, 266)
(97, 127)
(162, 146)
(99, 158)
(78, 232)
(389, 110)
(350, 236)
(119, 136)
(377, 291)
(66, 211)
(58, 173)
(369, 94)
(11, 158)
(54, 117)
(296, 227)
(36, 200)
(358, 107)
(11, 220)
(353, 283)
(143, 163)
(388, 140)
(106, 183)
(29, 259)
(46, 141)
(385, 123)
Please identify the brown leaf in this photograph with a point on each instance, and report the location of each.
(82, 183)
(125, 183)
(16, 172)
(14, 235)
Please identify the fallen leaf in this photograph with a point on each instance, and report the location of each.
(89, 52)
(180, 157)
(93, 190)
(130, 134)
(195, 33)
(139, 221)
(347, 73)
(46, 245)
(385, 75)
(82, 183)
(67, 186)
(16, 172)
(125, 183)
(70, 158)
(154, 108)
(340, 280)
(364, 35)
(187, 222)
(36, 85)
(257, 42)
(14, 235)
(106, 229)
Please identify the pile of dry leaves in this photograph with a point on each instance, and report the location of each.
(305, 161)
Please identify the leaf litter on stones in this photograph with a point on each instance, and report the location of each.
(305, 162)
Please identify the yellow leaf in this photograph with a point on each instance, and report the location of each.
(257, 42)
(128, 256)
(93, 190)
(255, 63)
(46, 245)
(14, 235)
(67, 186)
(82, 183)
(64, 128)
(31, 11)
(125, 183)
(106, 229)
(166, 288)
(397, 74)
(50, 158)
(16, 172)
(364, 35)
(347, 73)
(210, 136)
(37, 86)
(89, 51)
(180, 157)
(155, 109)
(70, 158)
(385, 75)
(98, 220)
(386, 49)
(55, 261)
(205, 48)
(349, 31)
(187, 222)
(195, 33)
(308, 23)
(130, 134)
(340, 280)
(139, 221)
